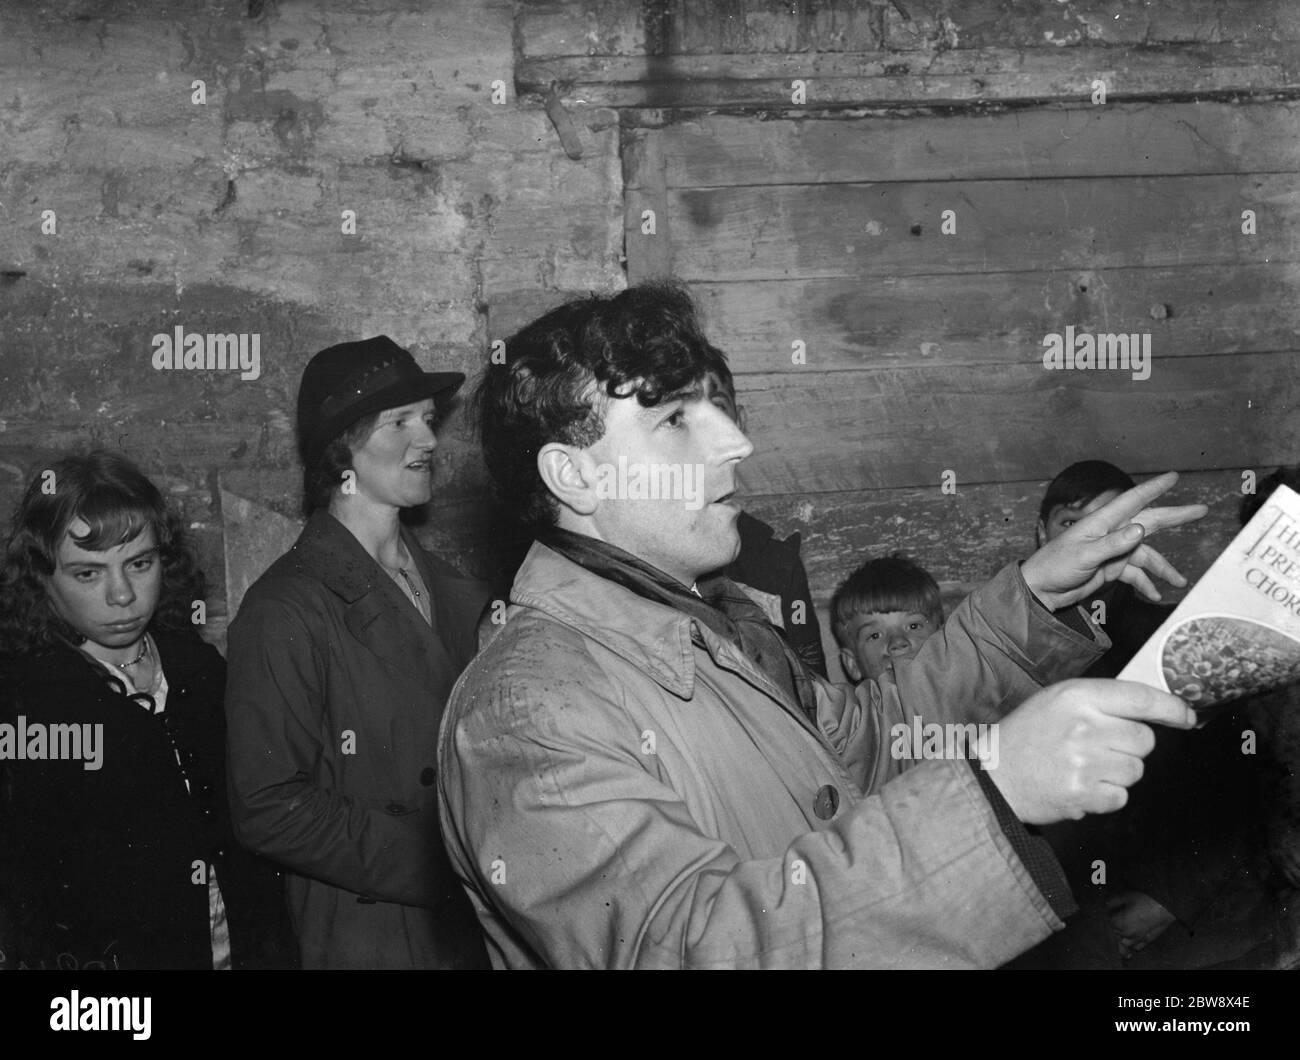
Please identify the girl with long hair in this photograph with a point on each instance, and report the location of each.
(118, 851)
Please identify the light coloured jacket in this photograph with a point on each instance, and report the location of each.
(622, 788)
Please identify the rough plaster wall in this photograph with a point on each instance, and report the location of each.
(227, 216)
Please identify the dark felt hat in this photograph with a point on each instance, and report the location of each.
(343, 383)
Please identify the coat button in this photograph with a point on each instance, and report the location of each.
(395, 808)
(826, 803)
(428, 775)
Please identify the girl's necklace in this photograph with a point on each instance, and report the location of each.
(144, 650)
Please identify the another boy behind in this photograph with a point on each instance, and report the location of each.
(882, 613)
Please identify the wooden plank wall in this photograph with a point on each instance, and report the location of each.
(924, 350)
(822, 225)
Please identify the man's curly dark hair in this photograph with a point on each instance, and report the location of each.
(560, 369)
(118, 502)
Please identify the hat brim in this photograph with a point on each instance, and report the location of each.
(441, 386)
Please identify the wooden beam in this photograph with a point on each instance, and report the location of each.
(819, 432)
(1152, 23)
(592, 27)
(681, 26)
(894, 229)
(946, 78)
(999, 317)
(1117, 140)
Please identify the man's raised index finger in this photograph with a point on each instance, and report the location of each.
(1122, 509)
(1132, 699)
(1153, 519)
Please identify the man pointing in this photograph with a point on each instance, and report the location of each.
(638, 772)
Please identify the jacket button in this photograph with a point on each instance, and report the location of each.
(428, 775)
(395, 807)
(826, 803)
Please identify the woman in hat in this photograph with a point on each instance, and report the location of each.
(341, 659)
(115, 841)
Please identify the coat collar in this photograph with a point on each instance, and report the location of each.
(62, 667)
(653, 637)
(379, 615)
(330, 551)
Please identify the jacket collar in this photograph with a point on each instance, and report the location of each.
(183, 656)
(62, 667)
(653, 637)
(331, 552)
(379, 614)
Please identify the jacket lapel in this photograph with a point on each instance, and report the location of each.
(456, 604)
(728, 657)
(652, 637)
(378, 615)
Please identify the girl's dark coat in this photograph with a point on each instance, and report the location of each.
(107, 867)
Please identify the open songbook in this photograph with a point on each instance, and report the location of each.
(1237, 632)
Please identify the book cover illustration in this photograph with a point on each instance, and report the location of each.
(1237, 632)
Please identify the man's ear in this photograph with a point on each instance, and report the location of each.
(742, 421)
(570, 476)
(1040, 534)
(850, 663)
